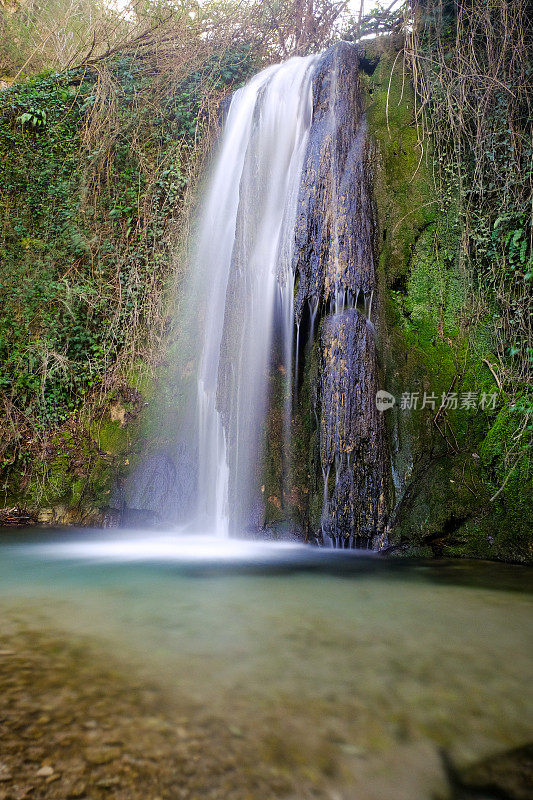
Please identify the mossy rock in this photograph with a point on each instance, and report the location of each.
(402, 181)
(447, 468)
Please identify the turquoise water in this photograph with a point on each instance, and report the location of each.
(380, 664)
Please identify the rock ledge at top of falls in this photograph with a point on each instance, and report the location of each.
(334, 236)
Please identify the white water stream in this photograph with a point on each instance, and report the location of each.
(244, 262)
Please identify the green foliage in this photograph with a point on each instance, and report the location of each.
(477, 110)
(43, 311)
(85, 247)
(36, 117)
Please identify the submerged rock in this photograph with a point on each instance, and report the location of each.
(102, 755)
(45, 772)
(506, 776)
(97, 702)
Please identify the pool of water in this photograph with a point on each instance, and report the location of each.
(317, 657)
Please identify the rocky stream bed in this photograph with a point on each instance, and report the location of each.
(74, 726)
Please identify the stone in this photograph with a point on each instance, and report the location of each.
(46, 515)
(352, 750)
(22, 792)
(45, 772)
(77, 789)
(108, 783)
(160, 488)
(335, 262)
(101, 755)
(117, 413)
(505, 775)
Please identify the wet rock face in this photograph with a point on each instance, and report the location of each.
(161, 489)
(334, 262)
(351, 432)
(334, 236)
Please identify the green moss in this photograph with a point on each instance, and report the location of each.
(402, 186)
(111, 437)
(54, 483)
(58, 483)
(435, 289)
(274, 498)
(141, 378)
(495, 444)
(294, 502)
(101, 481)
(76, 491)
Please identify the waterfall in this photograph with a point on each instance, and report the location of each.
(285, 263)
(244, 256)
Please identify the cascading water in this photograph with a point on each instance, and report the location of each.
(245, 255)
(285, 259)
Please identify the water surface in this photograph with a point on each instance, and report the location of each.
(346, 671)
